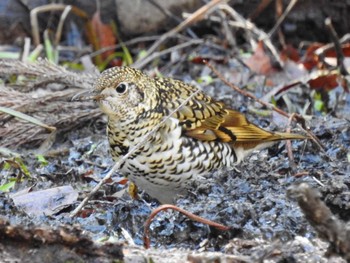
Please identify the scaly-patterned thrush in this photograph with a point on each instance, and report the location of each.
(201, 136)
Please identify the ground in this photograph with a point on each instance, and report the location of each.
(251, 199)
(267, 222)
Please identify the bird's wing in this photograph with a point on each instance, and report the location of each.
(205, 119)
(214, 122)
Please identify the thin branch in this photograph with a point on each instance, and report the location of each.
(338, 49)
(126, 43)
(282, 18)
(132, 42)
(196, 16)
(245, 93)
(175, 18)
(250, 27)
(154, 55)
(289, 146)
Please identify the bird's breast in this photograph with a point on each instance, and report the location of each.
(168, 159)
(169, 152)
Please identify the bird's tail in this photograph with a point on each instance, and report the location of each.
(279, 136)
(269, 139)
(244, 148)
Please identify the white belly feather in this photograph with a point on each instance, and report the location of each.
(169, 161)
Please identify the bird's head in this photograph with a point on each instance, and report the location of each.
(124, 93)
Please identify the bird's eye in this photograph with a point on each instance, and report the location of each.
(121, 88)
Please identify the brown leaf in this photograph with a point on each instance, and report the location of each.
(260, 62)
(104, 35)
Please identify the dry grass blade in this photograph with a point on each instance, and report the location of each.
(44, 93)
(44, 72)
(49, 8)
(146, 240)
(26, 118)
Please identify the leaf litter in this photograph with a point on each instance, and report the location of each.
(251, 199)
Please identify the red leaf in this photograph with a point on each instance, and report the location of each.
(290, 53)
(104, 34)
(332, 54)
(310, 59)
(328, 82)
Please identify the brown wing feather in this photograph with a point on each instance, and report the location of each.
(232, 127)
(228, 126)
(208, 120)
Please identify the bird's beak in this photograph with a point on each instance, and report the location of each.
(99, 97)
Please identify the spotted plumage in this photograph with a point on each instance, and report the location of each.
(201, 136)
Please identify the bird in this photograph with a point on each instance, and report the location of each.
(198, 137)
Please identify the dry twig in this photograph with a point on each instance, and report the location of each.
(251, 28)
(154, 55)
(338, 49)
(292, 164)
(195, 17)
(282, 18)
(146, 239)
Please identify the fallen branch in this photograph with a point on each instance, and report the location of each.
(68, 243)
(327, 225)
